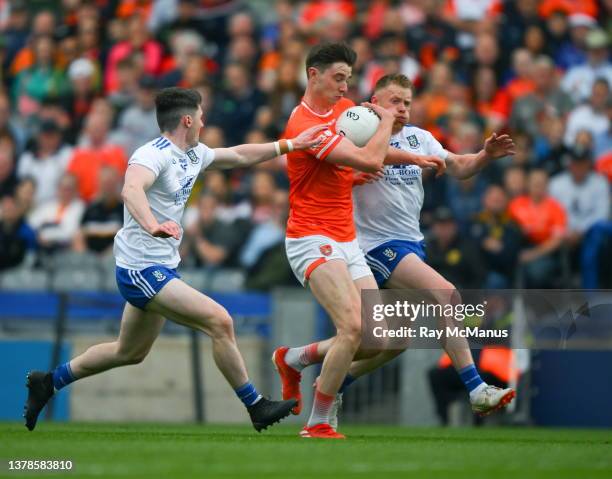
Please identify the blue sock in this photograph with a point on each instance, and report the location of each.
(470, 377)
(248, 394)
(62, 376)
(348, 380)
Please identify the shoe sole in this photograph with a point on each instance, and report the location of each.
(503, 402)
(262, 427)
(306, 435)
(297, 409)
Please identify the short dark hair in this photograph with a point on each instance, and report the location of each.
(172, 104)
(395, 79)
(326, 54)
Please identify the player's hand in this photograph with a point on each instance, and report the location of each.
(308, 138)
(499, 146)
(362, 178)
(431, 161)
(168, 229)
(382, 113)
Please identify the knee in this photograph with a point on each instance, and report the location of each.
(447, 294)
(222, 325)
(350, 329)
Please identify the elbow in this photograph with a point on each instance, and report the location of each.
(126, 192)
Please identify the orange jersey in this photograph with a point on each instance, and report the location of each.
(539, 221)
(320, 193)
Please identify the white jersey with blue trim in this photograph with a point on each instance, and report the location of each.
(175, 174)
(390, 208)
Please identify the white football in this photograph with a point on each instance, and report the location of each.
(358, 124)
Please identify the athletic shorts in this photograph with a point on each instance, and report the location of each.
(308, 252)
(384, 258)
(139, 287)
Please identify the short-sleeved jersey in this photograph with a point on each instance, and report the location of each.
(320, 192)
(175, 174)
(538, 221)
(390, 208)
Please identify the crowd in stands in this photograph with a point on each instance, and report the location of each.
(78, 83)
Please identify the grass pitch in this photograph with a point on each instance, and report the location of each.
(189, 451)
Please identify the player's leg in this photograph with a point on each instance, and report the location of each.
(185, 305)
(138, 332)
(333, 287)
(413, 273)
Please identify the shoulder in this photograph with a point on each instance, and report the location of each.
(153, 149)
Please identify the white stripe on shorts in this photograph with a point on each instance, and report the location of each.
(136, 283)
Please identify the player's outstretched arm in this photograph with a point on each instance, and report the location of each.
(466, 166)
(138, 179)
(369, 158)
(252, 153)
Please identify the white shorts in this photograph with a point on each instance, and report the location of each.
(308, 252)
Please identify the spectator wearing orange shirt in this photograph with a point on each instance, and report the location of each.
(96, 152)
(543, 222)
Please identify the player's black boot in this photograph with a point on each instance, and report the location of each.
(40, 390)
(264, 413)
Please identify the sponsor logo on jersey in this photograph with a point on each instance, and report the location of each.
(325, 249)
(183, 163)
(159, 276)
(413, 141)
(181, 196)
(191, 154)
(390, 254)
(395, 144)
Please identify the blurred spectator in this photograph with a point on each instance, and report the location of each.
(103, 217)
(286, 93)
(456, 259)
(84, 88)
(263, 188)
(7, 124)
(584, 194)
(489, 102)
(498, 237)
(127, 84)
(522, 83)
(57, 222)
(592, 116)
(546, 100)
(16, 31)
(572, 52)
(263, 255)
(138, 123)
(543, 222)
(95, 152)
(212, 241)
(16, 236)
(43, 26)
(46, 162)
(602, 142)
(41, 80)
(8, 174)
(549, 149)
(515, 182)
(579, 80)
(25, 192)
(235, 108)
(139, 45)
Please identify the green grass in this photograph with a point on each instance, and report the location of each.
(190, 451)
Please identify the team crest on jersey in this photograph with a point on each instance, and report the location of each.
(192, 157)
(159, 276)
(390, 254)
(325, 249)
(183, 163)
(413, 141)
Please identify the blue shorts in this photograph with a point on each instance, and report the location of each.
(139, 287)
(383, 259)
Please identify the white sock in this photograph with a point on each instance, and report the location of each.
(477, 390)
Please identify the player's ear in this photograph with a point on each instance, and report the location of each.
(374, 100)
(311, 72)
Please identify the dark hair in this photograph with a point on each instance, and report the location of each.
(396, 79)
(172, 104)
(324, 55)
